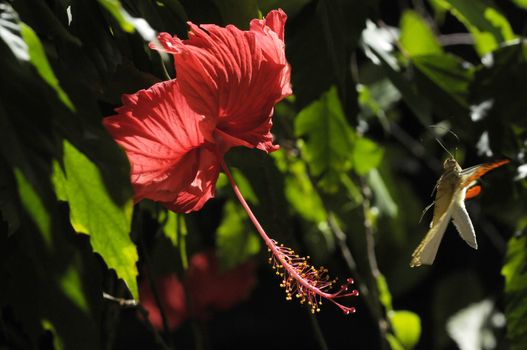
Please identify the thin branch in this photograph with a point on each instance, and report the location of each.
(132, 303)
(421, 10)
(127, 303)
(348, 257)
(158, 338)
(456, 39)
(197, 331)
(372, 259)
(345, 251)
(153, 288)
(318, 332)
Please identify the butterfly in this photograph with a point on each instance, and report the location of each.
(452, 189)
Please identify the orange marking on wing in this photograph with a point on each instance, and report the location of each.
(473, 192)
(483, 169)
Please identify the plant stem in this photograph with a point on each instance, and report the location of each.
(153, 288)
(382, 323)
(318, 332)
(275, 251)
(348, 257)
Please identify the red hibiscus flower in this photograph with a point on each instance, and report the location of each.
(208, 289)
(176, 132)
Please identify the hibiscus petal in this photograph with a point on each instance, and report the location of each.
(165, 142)
(273, 45)
(234, 77)
(201, 189)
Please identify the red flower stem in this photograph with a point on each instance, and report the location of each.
(269, 242)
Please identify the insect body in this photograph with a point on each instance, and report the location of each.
(452, 188)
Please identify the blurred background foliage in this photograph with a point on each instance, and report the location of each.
(357, 164)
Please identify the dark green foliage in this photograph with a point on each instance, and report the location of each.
(357, 164)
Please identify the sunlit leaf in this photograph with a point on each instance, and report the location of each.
(515, 273)
(93, 212)
(126, 22)
(34, 205)
(10, 32)
(487, 25)
(377, 99)
(175, 230)
(300, 192)
(329, 139)
(445, 80)
(71, 284)
(119, 13)
(394, 342)
(236, 240)
(48, 326)
(379, 47)
(383, 198)
(521, 3)
(173, 226)
(385, 297)
(406, 327)
(366, 155)
(38, 59)
(416, 36)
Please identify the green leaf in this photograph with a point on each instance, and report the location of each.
(170, 228)
(175, 230)
(328, 146)
(416, 37)
(130, 24)
(10, 33)
(93, 212)
(385, 296)
(119, 13)
(71, 285)
(38, 59)
(444, 79)
(245, 186)
(487, 25)
(34, 205)
(320, 41)
(48, 326)
(383, 199)
(377, 99)
(299, 190)
(515, 273)
(406, 327)
(521, 3)
(366, 155)
(394, 342)
(378, 46)
(235, 242)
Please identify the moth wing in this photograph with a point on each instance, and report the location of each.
(473, 173)
(463, 223)
(472, 191)
(426, 251)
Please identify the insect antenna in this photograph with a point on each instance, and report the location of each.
(447, 151)
(441, 144)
